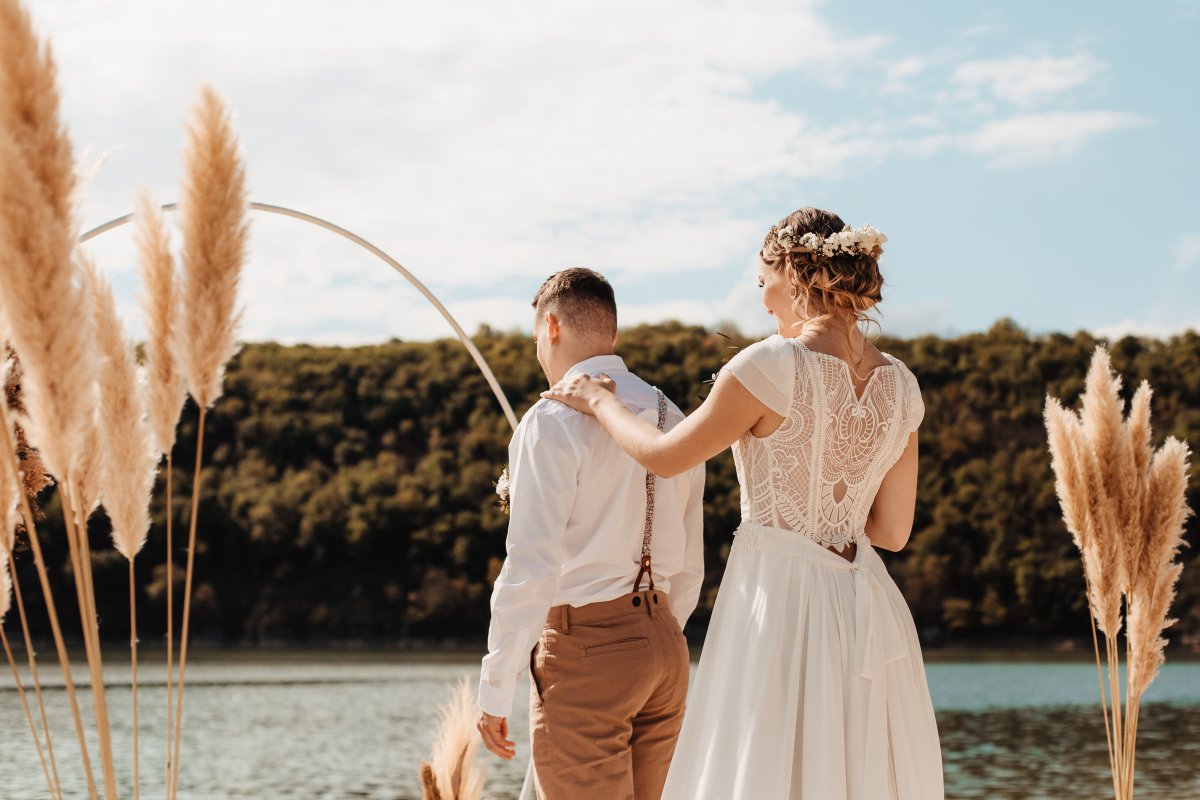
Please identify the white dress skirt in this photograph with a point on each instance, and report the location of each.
(811, 684)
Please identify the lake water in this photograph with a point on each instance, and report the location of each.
(337, 725)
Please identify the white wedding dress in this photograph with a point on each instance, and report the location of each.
(811, 684)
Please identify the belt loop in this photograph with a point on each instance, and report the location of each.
(566, 618)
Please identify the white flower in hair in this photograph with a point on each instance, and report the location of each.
(811, 241)
(786, 237)
(842, 240)
(863, 239)
(868, 238)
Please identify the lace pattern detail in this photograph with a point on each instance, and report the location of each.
(818, 472)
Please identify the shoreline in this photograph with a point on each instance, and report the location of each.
(456, 652)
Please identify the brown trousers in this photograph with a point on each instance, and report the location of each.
(608, 684)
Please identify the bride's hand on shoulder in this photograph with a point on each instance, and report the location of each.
(581, 392)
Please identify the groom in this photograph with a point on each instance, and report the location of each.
(604, 567)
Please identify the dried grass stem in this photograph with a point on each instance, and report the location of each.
(1125, 505)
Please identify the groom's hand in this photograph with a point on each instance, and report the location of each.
(494, 732)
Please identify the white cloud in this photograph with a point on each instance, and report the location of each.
(1025, 80)
(975, 111)
(431, 118)
(910, 74)
(1030, 138)
(478, 145)
(907, 68)
(1155, 330)
(485, 148)
(913, 319)
(695, 312)
(899, 76)
(739, 307)
(743, 307)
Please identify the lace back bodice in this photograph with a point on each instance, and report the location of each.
(818, 473)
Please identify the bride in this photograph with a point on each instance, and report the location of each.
(811, 683)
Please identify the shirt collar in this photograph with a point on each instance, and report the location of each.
(598, 364)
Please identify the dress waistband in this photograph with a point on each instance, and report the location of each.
(796, 543)
(878, 640)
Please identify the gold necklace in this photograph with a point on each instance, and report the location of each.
(862, 357)
(857, 363)
(854, 372)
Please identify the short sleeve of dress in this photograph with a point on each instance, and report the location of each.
(768, 371)
(916, 406)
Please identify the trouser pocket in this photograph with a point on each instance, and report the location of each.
(616, 646)
(537, 671)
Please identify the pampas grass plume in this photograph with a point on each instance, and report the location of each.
(1126, 506)
(1135, 469)
(87, 467)
(42, 302)
(1158, 573)
(454, 773)
(1102, 407)
(429, 787)
(1138, 428)
(33, 471)
(1103, 559)
(1062, 427)
(165, 386)
(29, 102)
(1166, 506)
(47, 313)
(48, 316)
(213, 217)
(1100, 449)
(127, 454)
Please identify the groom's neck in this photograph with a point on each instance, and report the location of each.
(572, 355)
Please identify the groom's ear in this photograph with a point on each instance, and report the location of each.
(552, 328)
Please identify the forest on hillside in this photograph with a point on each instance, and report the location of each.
(348, 492)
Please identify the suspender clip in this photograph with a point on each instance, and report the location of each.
(646, 571)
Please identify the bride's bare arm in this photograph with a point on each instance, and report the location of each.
(728, 412)
(891, 519)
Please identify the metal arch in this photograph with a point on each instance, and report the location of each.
(412, 279)
(391, 262)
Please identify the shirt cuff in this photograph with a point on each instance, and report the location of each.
(496, 696)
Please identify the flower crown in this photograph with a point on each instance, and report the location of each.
(863, 239)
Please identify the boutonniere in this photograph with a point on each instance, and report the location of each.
(502, 489)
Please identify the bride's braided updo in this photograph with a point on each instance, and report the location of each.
(845, 282)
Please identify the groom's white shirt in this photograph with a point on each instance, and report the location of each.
(577, 513)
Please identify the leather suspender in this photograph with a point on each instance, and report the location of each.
(649, 529)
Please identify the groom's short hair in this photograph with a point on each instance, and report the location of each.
(580, 298)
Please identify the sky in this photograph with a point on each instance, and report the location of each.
(1028, 160)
